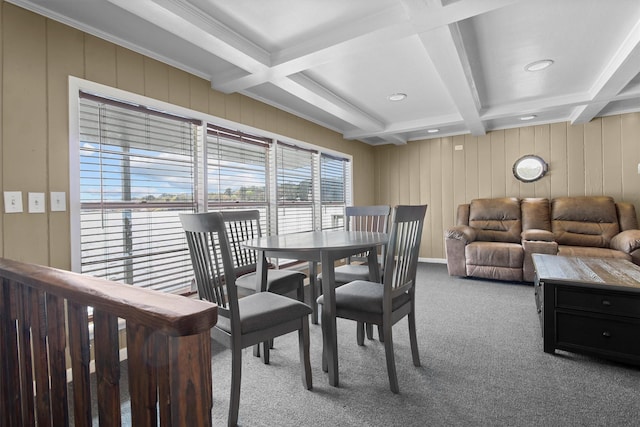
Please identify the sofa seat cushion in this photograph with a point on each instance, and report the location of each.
(583, 251)
(497, 254)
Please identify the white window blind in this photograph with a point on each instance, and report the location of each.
(136, 174)
(333, 194)
(237, 172)
(295, 188)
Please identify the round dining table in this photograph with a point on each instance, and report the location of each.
(324, 247)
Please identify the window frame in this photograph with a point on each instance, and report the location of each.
(203, 205)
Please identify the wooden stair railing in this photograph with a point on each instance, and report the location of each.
(168, 350)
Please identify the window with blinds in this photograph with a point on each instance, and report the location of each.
(237, 171)
(295, 172)
(140, 166)
(333, 190)
(137, 172)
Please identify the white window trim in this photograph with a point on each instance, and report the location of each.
(77, 84)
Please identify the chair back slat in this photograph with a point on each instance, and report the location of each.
(210, 255)
(367, 218)
(403, 249)
(242, 225)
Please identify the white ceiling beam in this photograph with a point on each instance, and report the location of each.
(408, 126)
(622, 68)
(194, 26)
(446, 50)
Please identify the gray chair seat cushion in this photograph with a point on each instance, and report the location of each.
(263, 310)
(278, 281)
(362, 295)
(350, 272)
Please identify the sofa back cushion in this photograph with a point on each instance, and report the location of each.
(584, 221)
(535, 214)
(496, 220)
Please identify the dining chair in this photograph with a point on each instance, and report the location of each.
(243, 225)
(243, 322)
(359, 218)
(384, 304)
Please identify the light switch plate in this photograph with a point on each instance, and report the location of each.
(12, 201)
(36, 203)
(58, 201)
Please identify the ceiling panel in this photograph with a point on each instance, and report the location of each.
(334, 62)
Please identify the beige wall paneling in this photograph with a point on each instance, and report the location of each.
(100, 61)
(247, 113)
(2, 5)
(364, 173)
(542, 138)
(527, 146)
(199, 96)
(498, 178)
(630, 135)
(156, 79)
(393, 174)
(260, 115)
(404, 173)
(414, 177)
(457, 171)
(511, 154)
(575, 160)
(384, 171)
(217, 103)
(232, 109)
(441, 193)
(612, 164)
(425, 194)
(558, 160)
(24, 165)
(179, 92)
(65, 57)
(129, 70)
(471, 166)
(593, 157)
(484, 166)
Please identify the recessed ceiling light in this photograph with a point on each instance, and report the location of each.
(433, 130)
(397, 97)
(538, 65)
(529, 117)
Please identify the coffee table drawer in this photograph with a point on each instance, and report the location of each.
(596, 301)
(598, 333)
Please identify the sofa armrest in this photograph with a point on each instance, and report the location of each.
(538, 235)
(455, 240)
(626, 241)
(463, 233)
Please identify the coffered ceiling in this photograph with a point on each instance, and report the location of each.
(461, 63)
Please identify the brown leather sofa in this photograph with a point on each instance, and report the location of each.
(495, 238)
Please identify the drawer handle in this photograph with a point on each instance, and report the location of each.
(606, 334)
(606, 302)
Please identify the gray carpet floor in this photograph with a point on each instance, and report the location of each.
(482, 365)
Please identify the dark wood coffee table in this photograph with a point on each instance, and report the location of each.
(589, 305)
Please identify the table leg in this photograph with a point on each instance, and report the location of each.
(261, 286)
(329, 333)
(313, 274)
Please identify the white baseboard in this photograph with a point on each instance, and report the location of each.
(433, 260)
